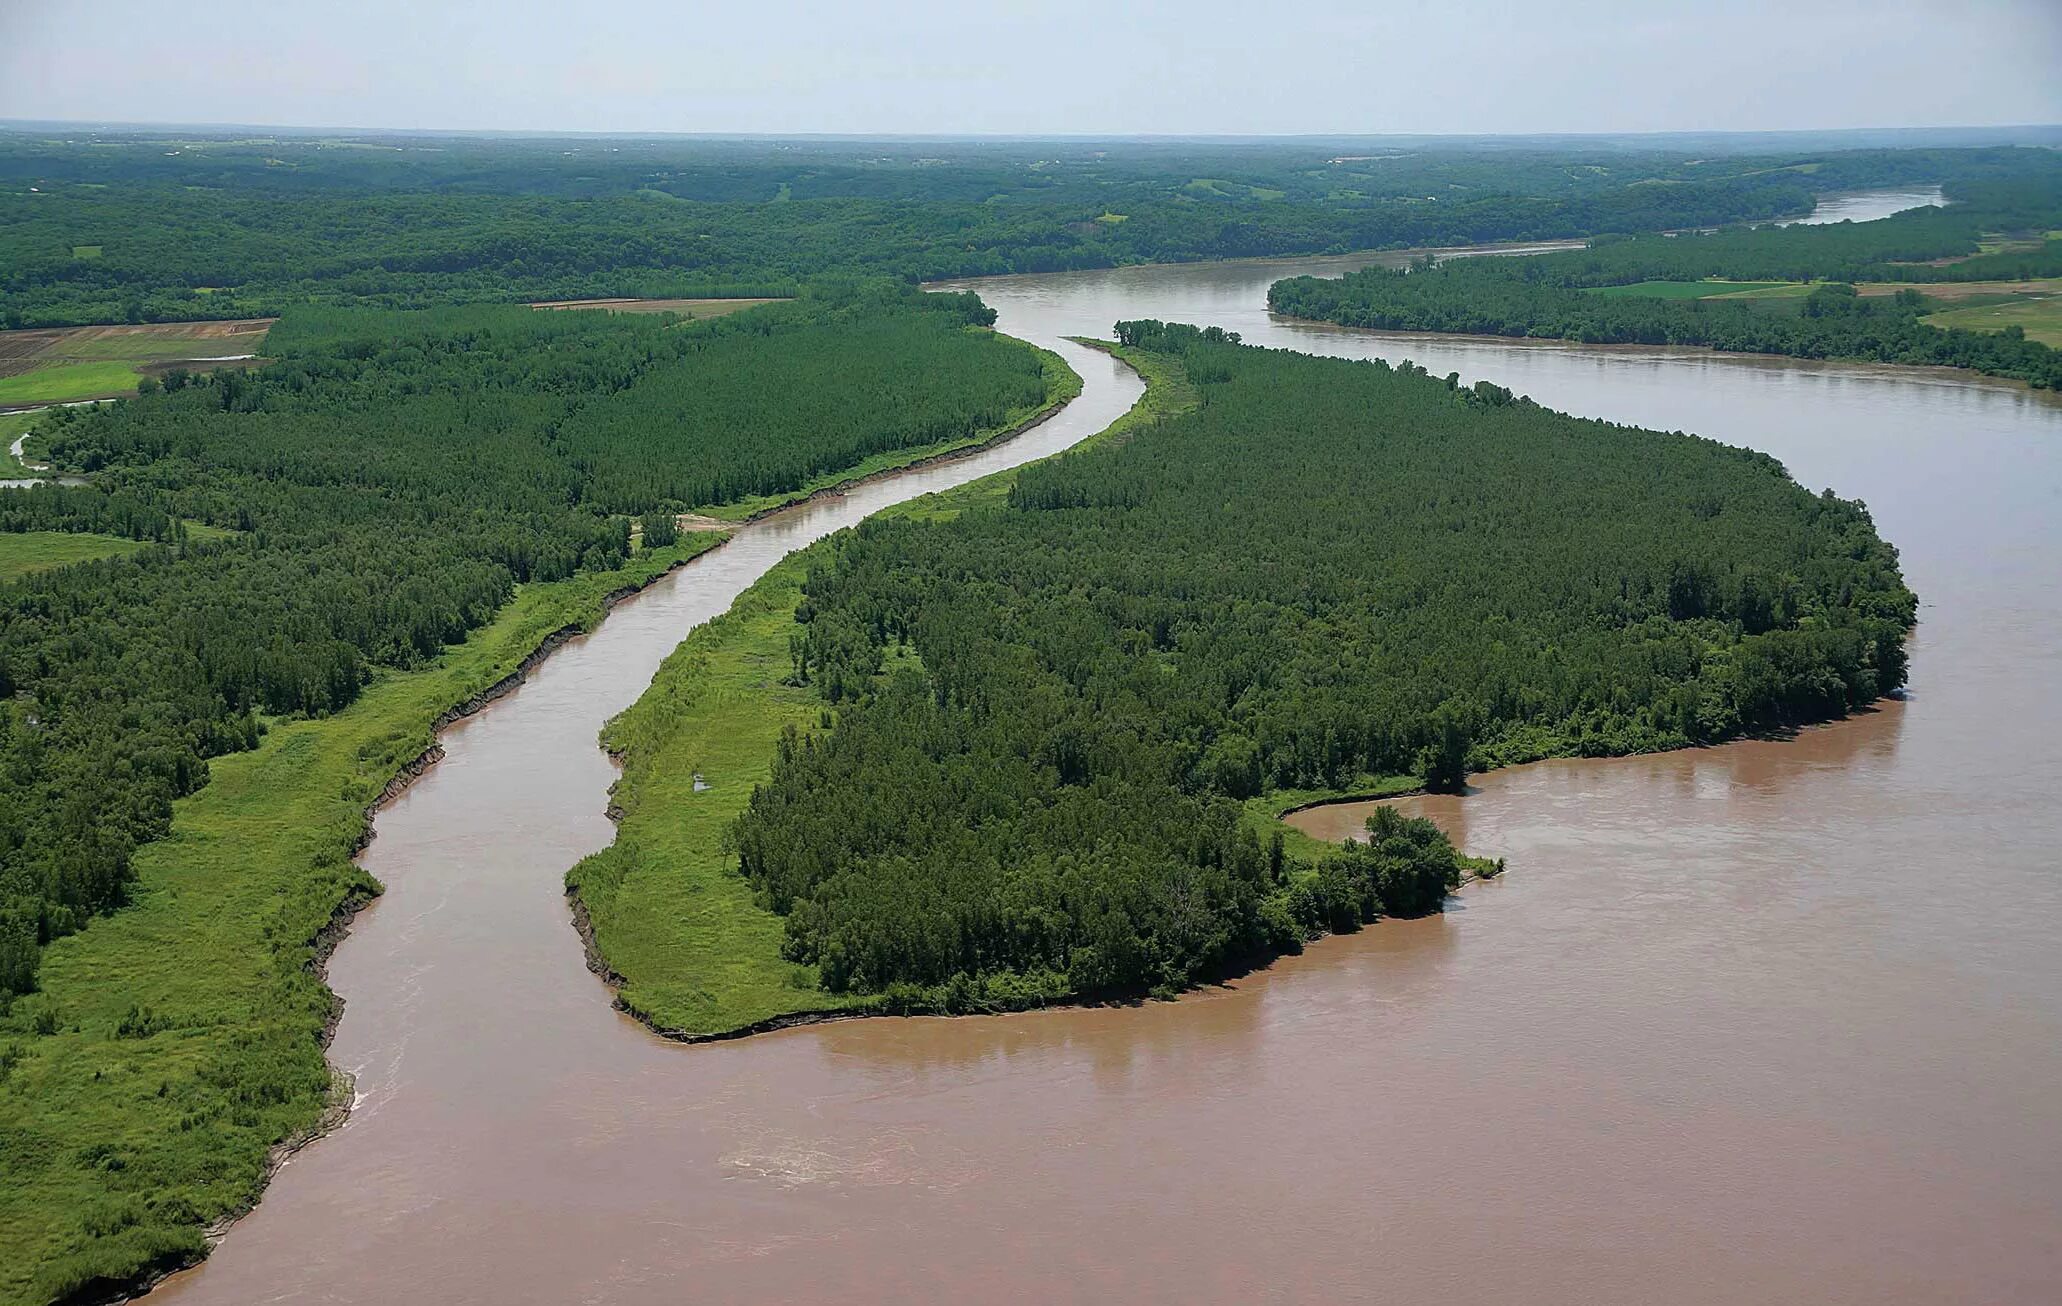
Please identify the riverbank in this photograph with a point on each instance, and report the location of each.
(1959, 378)
(1802, 291)
(714, 960)
(1704, 985)
(180, 1041)
(211, 983)
(1855, 206)
(1356, 257)
(1062, 385)
(667, 920)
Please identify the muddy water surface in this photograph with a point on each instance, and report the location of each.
(1778, 1021)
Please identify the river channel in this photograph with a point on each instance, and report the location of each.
(1779, 1021)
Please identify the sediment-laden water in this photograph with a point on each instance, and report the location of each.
(1774, 1021)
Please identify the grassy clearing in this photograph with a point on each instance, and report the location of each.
(1061, 385)
(2040, 317)
(22, 552)
(1686, 289)
(1264, 813)
(671, 915)
(11, 426)
(63, 382)
(86, 251)
(1998, 242)
(174, 1043)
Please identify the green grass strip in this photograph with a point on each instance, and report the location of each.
(176, 1042)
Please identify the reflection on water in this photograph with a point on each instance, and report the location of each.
(1758, 768)
(1869, 205)
(1774, 1022)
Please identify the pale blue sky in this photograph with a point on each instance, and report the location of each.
(1060, 66)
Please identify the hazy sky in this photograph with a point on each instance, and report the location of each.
(1057, 66)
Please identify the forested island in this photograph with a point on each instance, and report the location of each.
(325, 557)
(1028, 742)
(1850, 290)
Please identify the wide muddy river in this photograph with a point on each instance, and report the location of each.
(1780, 1021)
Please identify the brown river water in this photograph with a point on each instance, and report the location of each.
(1780, 1021)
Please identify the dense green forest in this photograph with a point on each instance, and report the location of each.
(1047, 715)
(384, 485)
(1555, 295)
(164, 227)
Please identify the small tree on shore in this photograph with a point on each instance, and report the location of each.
(660, 529)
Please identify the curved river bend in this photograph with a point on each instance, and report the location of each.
(1776, 1021)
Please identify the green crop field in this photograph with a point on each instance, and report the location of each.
(2040, 317)
(67, 381)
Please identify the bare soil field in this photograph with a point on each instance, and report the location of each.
(695, 308)
(153, 342)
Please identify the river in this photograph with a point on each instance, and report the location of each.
(1868, 205)
(1774, 1021)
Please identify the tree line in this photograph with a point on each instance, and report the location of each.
(384, 485)
(229, 230)
(1554, 296)
(1046, 718)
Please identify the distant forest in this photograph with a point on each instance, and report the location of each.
(1557, 295)
(1047, 715)
(131, 228)
(376, 494)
